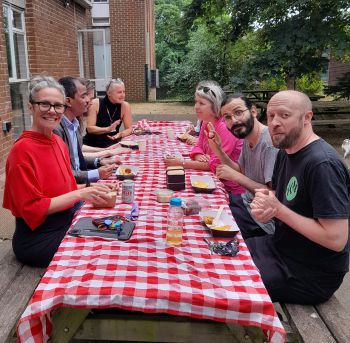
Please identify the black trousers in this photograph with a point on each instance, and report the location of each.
(37, 247)
(287, 281)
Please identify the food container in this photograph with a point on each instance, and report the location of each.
(126, 172)
(175, 178)
(227, 227)
(183, 137)
(164, 195)
(191, 206)
(202, 184)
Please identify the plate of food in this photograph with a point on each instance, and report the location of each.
(126, 172)
(225, 225)
(202, 184)
(129, 144)
(183, 136)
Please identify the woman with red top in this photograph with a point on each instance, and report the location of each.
(40, 189)
(208, 99)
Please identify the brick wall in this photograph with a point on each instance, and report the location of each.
(6, 139)
(336, 70)
(128, 23)
(52, 36)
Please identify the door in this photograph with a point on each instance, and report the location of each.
(94, 49)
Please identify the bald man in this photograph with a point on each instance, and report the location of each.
(306, 259)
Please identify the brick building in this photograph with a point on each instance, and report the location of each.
(58, 38)
(336, 69)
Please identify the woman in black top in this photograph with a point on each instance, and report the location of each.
(106, 116)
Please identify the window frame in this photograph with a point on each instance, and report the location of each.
(11, 32)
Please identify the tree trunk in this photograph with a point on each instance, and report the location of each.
(290, 81)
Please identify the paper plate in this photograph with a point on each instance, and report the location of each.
(227, 226)
(202, 184)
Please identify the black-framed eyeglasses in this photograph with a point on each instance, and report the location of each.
(236, 114)
(46, 106)
(206, 90)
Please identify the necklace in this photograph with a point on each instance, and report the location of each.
(111, 117)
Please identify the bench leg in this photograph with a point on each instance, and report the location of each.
(66, 322)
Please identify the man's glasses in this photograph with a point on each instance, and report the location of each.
(46, 106)
(236, 114)
(206, 90)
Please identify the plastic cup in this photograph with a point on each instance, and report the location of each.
(142, 145)
(171, 134)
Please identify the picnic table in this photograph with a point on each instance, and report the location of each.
(145, 274)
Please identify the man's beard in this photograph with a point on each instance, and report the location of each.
(247, 128)
(289, 139)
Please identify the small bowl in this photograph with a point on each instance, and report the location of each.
(164, 195)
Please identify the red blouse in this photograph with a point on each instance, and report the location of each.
(37, 169)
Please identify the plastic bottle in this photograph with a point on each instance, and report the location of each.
(175, 222)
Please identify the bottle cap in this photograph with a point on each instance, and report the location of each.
(175, 202)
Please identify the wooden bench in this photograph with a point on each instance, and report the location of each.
(325, 323)
(17, 284)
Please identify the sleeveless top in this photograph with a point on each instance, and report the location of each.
(106, 115)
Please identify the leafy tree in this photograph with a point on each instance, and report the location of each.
(292, 34)
(171, 39)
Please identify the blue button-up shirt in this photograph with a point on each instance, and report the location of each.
(72, 127)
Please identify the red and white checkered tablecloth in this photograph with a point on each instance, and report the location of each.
(145, 273)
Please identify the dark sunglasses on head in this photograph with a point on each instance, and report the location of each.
(206, 90)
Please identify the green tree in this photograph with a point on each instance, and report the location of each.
(292, 34)
(171, 39)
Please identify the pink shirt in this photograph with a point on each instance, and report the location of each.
(229, 143)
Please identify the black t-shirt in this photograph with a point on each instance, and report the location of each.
(316, 184)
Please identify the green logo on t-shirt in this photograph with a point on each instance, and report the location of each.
(292, 188)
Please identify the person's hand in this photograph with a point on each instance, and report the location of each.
(190, 129)
(118, 151)
(201, 158)
(225, 172)
(214, 139)
(265, 205)
(92, 194)
(115, 137)
(192, 140)
(106, 187)
(106, 171)
(173, 161)
(114, 125)
(114, 160)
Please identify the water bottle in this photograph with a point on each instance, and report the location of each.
(175, 222)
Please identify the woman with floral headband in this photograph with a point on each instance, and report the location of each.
(208, 99)
(106, 116)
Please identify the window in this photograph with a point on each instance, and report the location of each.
(100, 1)
(16, 46)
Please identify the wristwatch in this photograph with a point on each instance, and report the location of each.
(87, 184)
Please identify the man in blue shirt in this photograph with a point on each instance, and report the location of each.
(85, 170)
